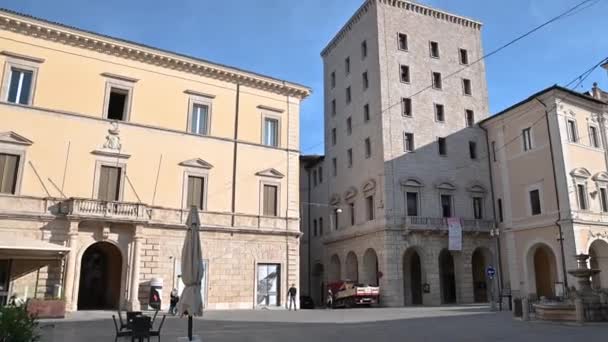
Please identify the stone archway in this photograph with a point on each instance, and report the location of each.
(335, 270)
(598, 252)
(447, 277)
(542, 270)
(100, 277)
(370, 267)
(352, 267)
(413, 277)
(480, 260)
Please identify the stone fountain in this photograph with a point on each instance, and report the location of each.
(583, 304)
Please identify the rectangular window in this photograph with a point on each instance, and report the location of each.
(347, 65)
(494, 151)
(466, 86)
(500, 214)
(469, 117)
(582, 197)
(441, 143)
(368, 148)
(437, 80)
(527, 138)
(271, 132)
(334, 167)
(366, 113)
(412, 203)
(477, 208)
(336, 222)
(369, 205)
(351, 213)
(446, 205)
(593, 137)
(199, 119)
(439, 112)
(349, 126)
(20, 86)
(473, 149)
(334, 137)
(109, 183)
(321, 226)
(604, 199)
(349, 157)
(365, 80)
(333, 79)
(117, 104)
(434, 47)
(270, 200)
(406, 106)
(464, 57)
(320, 175)
(9, 169)
(348, 95)
(404, 73)
(572, 132)
(402, 41)
(363, 49)
(333, 107)
(196, 192)
(408, 142)
(535, 202)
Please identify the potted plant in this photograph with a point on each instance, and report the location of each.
(47, 307)
(17, 325)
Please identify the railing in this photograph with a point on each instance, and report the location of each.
(107, 209)
(590, 216)
(441, 223)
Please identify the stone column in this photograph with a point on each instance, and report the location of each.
(70, 272)
(134, 289)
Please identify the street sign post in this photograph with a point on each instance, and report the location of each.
(491, 272)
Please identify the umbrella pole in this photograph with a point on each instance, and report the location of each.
(189, 328)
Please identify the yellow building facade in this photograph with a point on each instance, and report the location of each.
(104, 146)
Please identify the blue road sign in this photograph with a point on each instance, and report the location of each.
(491, 272)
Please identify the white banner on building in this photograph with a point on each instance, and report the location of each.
(455, 237)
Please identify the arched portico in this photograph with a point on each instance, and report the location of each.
(370, 267)
(598, 252)
(413, 277)
(352, 267)
(100, 280)
(541, 270)
(447, 277)
(335, 269)
(480, 260)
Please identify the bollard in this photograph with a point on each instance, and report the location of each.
(580, 311)
(525, 309)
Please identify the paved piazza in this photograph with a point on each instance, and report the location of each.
(457, 323)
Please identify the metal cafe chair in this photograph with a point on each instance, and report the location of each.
(120, 332)
(123, 325)
(141, 328)
(160, 326)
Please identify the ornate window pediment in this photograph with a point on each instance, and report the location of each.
(11, 137)
(580, 172)
(601, 177)
(350, 193)
(369, 186)
(197, 163)
(446, 186)
(272, 173)
(335, 199)
(411, 182)
(477, 188)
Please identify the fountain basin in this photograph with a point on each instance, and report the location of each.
(555, 311)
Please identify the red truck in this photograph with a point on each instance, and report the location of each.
(349, 294)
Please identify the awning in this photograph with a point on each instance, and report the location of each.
(31, 249)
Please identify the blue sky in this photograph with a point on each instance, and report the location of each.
(283, 39)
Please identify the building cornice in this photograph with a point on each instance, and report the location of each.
(63, 34)
(403, 5)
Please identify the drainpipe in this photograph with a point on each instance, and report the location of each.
(500, 281)
(559, 210)
(234, 152)
(308, 232)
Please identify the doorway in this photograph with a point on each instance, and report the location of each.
(447, 277)
(269, 280)
(100, 277)
(544, 271)
(412, 278)
(480, 285)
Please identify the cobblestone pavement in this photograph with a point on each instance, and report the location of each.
(458, 323)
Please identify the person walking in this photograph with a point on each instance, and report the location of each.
(292, 296)
(330, 299)
(174, 300)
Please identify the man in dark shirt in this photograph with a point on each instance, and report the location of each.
(292, 296)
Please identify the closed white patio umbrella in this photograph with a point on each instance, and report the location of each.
(191, 301)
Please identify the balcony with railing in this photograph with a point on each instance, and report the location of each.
(92, 208)
(440, 224)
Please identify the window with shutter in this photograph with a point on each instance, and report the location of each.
(196, 191)
(270, 200)
(9, 167)
(109, 183)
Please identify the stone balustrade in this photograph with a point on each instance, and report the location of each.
(420, 223)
